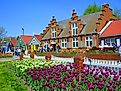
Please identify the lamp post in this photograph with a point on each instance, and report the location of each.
(89, 62)
(23, 30)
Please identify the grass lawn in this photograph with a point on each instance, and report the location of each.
(8, 81)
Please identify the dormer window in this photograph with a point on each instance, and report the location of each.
(74, 29)
(53, 32)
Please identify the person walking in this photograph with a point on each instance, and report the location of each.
(58, 47)
(51, 48)
(119, 50)
(3, 49)
(114, 47)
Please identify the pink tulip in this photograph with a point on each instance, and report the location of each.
(69, 89)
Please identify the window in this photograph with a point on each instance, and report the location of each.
(64, 43)
(74, 29)
(45, 44)
(88, 41)
(110, 41)
(53, 32)
(75, 42)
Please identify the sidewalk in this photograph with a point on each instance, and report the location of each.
(9, 59)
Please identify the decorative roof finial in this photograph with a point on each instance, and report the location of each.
(73, 10)
(53, 17)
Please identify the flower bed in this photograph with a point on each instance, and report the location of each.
(21, 66)
(68, 78)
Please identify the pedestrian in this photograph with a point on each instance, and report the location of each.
(51, 48)
(114, 47)
(3, 49)
(119, 50)
(18, 52)
(58, 47)
(48, 49)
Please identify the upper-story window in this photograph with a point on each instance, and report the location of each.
(75, 42)
(64, 43)
(53, 32)
(74, 29)
(88, 41)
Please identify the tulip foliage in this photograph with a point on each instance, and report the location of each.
(69, 78)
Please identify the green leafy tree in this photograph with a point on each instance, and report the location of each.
(117, 13)
(92, 9)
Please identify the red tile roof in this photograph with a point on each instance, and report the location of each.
(113, 29)
(26, 38)
(14, 42)
(39, 37)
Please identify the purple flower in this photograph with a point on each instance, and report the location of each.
(115, 78)
(79, 83)
(117, 83)
(78, 87)
(69, 89)
(72, 84)
(110, 89)
(91, 86)
(108, 85)
(110, 82)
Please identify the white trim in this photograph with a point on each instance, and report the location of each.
(105, 27)
(53, 42)
(31, 41)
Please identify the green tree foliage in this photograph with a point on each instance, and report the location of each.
(117, 13)
(92, 9)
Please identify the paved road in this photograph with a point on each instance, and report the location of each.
(9, 59)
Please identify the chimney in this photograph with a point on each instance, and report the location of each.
(105, 6)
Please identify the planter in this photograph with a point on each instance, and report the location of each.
(32, 55)
(104, 56)
(79, 61)
(41, 54)
(48, 57)
(21, 55)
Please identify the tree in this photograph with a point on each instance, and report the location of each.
(92, 9)
(117, 13)
(2, 32)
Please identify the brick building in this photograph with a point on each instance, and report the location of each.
(77, 31)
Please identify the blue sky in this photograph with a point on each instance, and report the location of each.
(34, 15)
